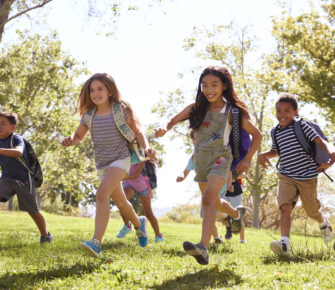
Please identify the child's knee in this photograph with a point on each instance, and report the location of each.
(286, 209)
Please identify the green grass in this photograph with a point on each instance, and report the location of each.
(63, 265)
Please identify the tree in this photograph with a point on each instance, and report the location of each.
(37, 81)
(234, 48)
(20, 7)
(306, 55)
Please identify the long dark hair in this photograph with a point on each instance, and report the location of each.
(199, 110)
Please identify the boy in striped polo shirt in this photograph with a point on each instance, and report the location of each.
(297, 172)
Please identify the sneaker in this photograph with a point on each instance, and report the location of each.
(92, 247)
(218, 240)
(159, 239)
(125, 230)
(46, 239)
(142, 232)
(243, 241)
(327, 232)
(280, 248)
(198, 251)
(236, 225)
(228, 234)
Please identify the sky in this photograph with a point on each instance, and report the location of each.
(145, 56)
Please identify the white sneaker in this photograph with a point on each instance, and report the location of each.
(280, 248)
(327, 232)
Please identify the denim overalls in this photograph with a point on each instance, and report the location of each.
(211, 157)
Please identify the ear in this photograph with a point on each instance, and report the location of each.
(296, 113)
(13, 128)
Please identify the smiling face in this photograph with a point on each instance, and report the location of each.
(99, 93)
(212, 87)
(6, 128)
(285, 113)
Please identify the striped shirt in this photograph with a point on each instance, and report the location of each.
(294, 162)
(108, 143)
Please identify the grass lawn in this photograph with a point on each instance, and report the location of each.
(62, 264)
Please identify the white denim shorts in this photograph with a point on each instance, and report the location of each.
(123, 164)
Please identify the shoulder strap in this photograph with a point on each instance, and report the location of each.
(236, 132)
(299, 133)
(20, 159)
(122, 125)
(88, 118)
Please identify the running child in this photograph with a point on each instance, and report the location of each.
(15, 178)
(111, 154)
(297, 174)
(210, 117)
(136, 183)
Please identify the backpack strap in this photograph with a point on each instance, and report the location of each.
(299, 133)
(88, 118)
(20, 159)
(236, 132)
(127, 132)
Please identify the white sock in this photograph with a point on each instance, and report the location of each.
(239, 215)
(324, 223)
(285, 239)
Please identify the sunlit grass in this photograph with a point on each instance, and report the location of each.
(26, 264)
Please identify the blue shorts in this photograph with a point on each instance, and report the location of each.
(141, 193)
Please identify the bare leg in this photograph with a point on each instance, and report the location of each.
(129, 192)
(285, 219)
(146, 205)
(111, 186)
(40, 222)
(210, 196)
(242, 236)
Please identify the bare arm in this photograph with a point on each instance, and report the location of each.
(184, 114)
(328, 148)
(76, 138)
(265, 156)
(137, 173)
(182, 177)
(15, 152)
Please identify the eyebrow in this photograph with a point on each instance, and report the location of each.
(213, 82)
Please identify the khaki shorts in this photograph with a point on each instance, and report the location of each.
(290, 189)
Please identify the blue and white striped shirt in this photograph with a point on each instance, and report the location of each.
(294, 161)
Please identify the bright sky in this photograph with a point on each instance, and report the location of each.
(146, 54)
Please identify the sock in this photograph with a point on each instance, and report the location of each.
(323, 224)
(285, 239)
(129, 226)
(239, 216)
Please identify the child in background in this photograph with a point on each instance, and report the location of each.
(15, 178)
(111, 154)
(136, 183)
(210, 117)
(297, 174)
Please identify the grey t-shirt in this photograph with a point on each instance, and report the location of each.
(108, 143)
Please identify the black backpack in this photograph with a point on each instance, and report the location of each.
(150, 171)
(34, 169)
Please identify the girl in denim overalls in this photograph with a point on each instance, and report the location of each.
(210, 118)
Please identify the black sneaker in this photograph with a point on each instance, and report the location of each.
(46, 239)
(228, 234)
(198, 251)
(236, 225)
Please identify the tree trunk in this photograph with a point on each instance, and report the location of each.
(4, 12)
(10, 204)
(256, 200)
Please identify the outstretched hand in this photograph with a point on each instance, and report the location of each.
(66, 141)
(263, 160)
(150, 153)
(242, 166)
(160, 132)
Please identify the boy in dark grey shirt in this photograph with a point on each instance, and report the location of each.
(15, 178)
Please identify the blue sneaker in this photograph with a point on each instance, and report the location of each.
(92, 247)
(159, 239)
(46, 239)
(142, 232)
(125, 230)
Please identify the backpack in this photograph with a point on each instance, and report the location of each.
(34, 169)
(150, 171)
(239, 139)
(311, 148)
(136, 151)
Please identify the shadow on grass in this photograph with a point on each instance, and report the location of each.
(207, 278)
(25, 279)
